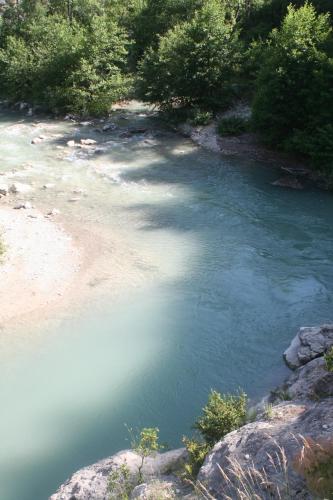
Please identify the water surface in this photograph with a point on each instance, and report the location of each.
(223, 270)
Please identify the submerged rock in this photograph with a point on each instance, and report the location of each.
(288, 182)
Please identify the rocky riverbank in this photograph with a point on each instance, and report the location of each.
(268, 455)
(295, 174)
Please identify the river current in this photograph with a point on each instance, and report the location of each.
(219, 270)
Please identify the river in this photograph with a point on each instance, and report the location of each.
(216, 271)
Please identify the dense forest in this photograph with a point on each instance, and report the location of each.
(191, 57)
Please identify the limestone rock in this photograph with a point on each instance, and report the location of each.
(309, 343)
(90, 483)
(36, 140)
(168, 488)
(88, 142)
(254, 444)
(311, 381)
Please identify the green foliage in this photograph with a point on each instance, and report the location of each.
(293, 106)
(145, 444)
(232, 126)
(197, 451)
(222, 414)
(68, 66)
(328, 357)
(194, 62)
(200, 117)
(119, 483)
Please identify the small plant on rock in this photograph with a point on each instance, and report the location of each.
(145, 444)
(328, 357)
(119, 483)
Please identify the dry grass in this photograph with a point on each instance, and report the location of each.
(249, 483)
(315, 464)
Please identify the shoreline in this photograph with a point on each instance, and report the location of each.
(39, 267)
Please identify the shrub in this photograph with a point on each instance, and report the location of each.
(194, 61)
(232, 126)
(328, 357)
(222, 414)
(200, 117)
(197, 451)
(315, 464)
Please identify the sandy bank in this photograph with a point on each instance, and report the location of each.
(39, 266)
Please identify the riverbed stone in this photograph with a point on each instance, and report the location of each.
(309, 343)
(4, 189)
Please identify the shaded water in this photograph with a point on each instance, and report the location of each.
(223, 270)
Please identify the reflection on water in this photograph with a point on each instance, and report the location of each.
(223, 269)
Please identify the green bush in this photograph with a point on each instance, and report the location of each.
(200, 117)
(197, 451)
(328, 357)
(293, 105)
(232, 126)
(67, 66)
(222, 414)
(194, 62)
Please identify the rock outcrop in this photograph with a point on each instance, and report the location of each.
(91, 482)
(261, 457)
(310, 343)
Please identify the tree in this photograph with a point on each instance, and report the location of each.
(293, 105)
(194, 62)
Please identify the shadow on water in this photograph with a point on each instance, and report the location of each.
(258, 265)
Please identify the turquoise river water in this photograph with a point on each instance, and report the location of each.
(205, 274)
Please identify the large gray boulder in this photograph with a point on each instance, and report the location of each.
(310, 342)
(262, 446)
(91, 482)
(311, 381)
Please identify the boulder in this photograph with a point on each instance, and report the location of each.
(71, 144)
(91, 482)
(270, 448)
(310, 381)
(310, 342)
